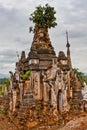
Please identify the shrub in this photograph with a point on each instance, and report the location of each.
(44, 16)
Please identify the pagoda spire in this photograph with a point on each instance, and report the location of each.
(68, 51)
(67, 45)
(41, 43)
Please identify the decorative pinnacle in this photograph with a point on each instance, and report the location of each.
(67, 45)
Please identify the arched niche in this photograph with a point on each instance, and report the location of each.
(60, 101)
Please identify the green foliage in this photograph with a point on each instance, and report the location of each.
(26, 75)
(7, 82)
(44, 16)
(81, 76)
(2, 81)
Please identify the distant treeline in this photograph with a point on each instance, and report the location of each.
(3, 81)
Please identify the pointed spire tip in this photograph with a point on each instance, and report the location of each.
(67, 45)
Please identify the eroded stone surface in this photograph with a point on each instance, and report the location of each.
(52, 89)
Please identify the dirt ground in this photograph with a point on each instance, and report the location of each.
(5, 124)
(79, 123)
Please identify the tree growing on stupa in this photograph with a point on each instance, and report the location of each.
(44, 17)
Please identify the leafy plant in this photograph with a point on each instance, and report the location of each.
(44, 16)
(26, 75)
(81, 76)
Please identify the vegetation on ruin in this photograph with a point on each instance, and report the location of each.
(81, 76)
(26, 75)
(44, 16)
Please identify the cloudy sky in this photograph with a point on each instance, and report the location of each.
(14, 30)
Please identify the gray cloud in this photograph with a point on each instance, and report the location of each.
(14, 30)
